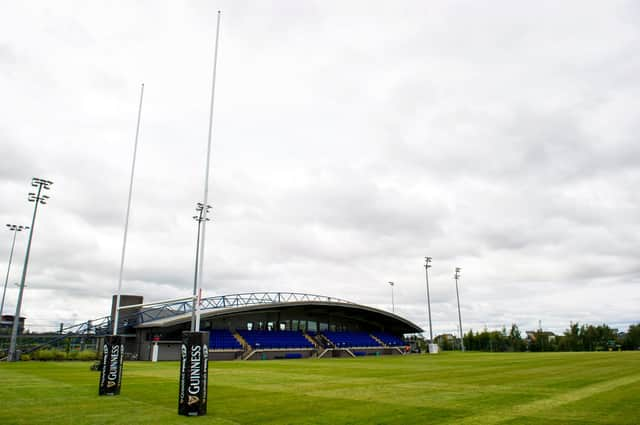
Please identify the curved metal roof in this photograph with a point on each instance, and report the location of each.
(231, 305)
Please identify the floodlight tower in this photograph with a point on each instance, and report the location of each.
(202, 216)
(427, 266)
(456, 276)
(15, 229)
(393, 305)
(37, 198)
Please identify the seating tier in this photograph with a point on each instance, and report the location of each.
(222, 339)
(388, 339)
(351, 339)
(275, 339)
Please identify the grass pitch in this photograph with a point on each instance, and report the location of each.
(459, 388)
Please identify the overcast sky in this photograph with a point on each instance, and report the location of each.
(351, 139)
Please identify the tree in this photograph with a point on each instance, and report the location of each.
(572, 340)
(515, 339)
(632, 339)
(470, 342)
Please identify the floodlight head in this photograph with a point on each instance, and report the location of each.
(35, 182)
(391, 283)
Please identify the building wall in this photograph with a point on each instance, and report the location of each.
(6, 324)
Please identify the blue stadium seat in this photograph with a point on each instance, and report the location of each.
(388, 339)
(351, 339)
(275, 339)
(223, 339)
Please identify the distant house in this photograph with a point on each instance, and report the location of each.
(447, 341)
(533, 335)
(444, 337)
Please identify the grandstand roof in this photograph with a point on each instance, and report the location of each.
(335, 306)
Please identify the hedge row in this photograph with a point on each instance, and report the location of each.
(53, 354)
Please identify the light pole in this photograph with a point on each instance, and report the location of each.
(427, 265)
(37, 198)
(393, 305)
(14, 228)
(456, 277)
(199, 218)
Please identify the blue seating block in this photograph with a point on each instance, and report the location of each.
(223, 339)
(351, 339)
(388, 339)
(275, 339)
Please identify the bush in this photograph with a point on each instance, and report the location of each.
(25, 357)
(87, 355)
(53, 354)
(43, 355)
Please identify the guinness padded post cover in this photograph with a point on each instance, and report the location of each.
(111, 366)
(194, 373)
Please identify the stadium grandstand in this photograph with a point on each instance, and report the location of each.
(248, 326)
(264, 325)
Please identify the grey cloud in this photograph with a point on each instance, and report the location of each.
(350, 141)
(8, 56)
